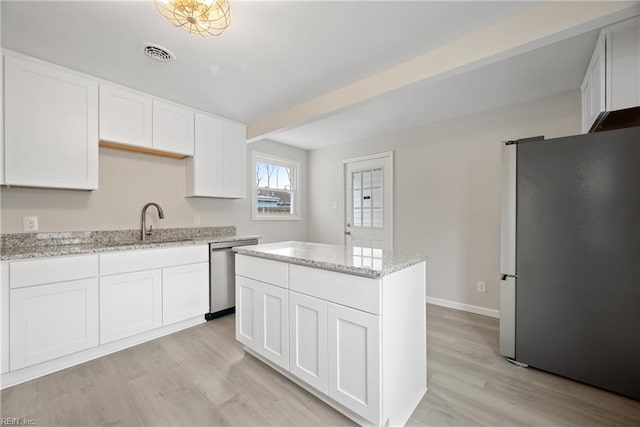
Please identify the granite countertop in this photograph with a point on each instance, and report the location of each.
(38, 245)
(358, 261)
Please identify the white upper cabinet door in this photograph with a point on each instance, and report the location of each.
(185, 292)
(51, 126)
(248, 330)
(173, 128)
(130, 303)
(235, 155)
(308, 340)
(54, 320)
(205, 171)
(354, 360)
(125, 117)
(623, 65)
(273, 303)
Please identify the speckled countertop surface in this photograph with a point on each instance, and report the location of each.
(359, 261)
(39, 245)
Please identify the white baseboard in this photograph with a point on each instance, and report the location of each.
(464, 307)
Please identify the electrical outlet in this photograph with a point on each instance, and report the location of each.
(482, 286)
(29, 223)
(196, 220)
(334, 205)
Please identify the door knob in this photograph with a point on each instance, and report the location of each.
(348, 233)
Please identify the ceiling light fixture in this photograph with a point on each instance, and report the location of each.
(202, 17)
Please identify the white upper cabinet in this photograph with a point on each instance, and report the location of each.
(593, 86)
(235, 154)
(51, 126)
(125, 117)
(205, 171)
(612, 81)
(623, 65)
(173, 128)
(219, 165)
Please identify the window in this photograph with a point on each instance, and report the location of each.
(275, 189)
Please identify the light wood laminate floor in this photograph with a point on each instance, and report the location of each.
(201, 376)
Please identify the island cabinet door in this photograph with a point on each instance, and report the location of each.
(273, 308)
(308, 340)
(247, 327)
(354, 360)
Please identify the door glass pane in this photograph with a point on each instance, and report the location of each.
(366, 179)
(357, 218)
(377, 177)
(357, 198)
(376, 196)
(377, 218)
(366, 217)
(366, 198)
(357, 180)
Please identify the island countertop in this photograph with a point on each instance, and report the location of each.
(354, 260)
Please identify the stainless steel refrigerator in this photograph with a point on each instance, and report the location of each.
(570, 257)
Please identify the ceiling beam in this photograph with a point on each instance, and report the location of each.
(538, 26)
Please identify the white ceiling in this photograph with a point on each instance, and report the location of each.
(537, 74)
(281, 54)
(274, 54)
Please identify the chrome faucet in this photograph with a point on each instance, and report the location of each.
(144, 232)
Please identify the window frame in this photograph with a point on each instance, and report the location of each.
(258, 157)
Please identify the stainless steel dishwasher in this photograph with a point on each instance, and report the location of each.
(222, 277)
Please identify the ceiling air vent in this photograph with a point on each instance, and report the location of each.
(157, 52)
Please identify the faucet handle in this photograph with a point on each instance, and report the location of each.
(148, 232)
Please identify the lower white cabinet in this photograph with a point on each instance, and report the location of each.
(354, 359)
(308, 340)
(130, 303)
(185, 292)
(262, 319)
(53, 320)
(247, 315)
(273, 307)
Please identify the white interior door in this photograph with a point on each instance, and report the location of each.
(368, 189)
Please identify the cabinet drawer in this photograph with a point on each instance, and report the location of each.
(352, 291)
(264, 270)
(147, 259)
(51, 270)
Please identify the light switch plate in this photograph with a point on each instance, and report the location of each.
(29, 224)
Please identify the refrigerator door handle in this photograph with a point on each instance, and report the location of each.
(508, 316)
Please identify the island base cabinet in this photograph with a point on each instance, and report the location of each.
(53, 320)
(130, 303)
(308, 340)
(262, 319)
(185, 292)
(354, 360)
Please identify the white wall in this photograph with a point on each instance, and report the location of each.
(128, 181)
(447, 190)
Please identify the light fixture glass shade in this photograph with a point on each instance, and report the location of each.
(203, 17)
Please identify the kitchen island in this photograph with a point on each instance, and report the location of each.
(346, 323)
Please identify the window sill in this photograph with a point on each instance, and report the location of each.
(275, 218)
